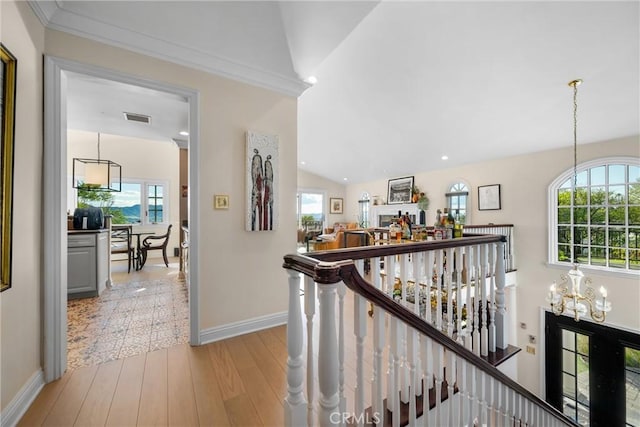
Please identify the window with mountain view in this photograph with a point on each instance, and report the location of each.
(597, 223)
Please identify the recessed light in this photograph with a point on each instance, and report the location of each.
(312, 80)
(303, 162)
(445, 157)
(184, 133)
(346, 179)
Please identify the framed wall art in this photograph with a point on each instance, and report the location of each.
(489, 197)
(335, 205)
(262, 170)
(399, 190)
(7, 112)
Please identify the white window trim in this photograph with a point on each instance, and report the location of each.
(552, 211)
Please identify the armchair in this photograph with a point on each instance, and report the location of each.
(161, 245)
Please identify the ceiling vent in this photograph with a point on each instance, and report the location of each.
(140, 118)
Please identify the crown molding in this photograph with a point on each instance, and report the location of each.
(53, 16)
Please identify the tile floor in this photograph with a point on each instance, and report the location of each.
(143, 311)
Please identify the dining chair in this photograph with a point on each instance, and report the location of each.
(121, 243)
(151, 243)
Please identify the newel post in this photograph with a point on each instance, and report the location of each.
(295, 405)
(502, 333)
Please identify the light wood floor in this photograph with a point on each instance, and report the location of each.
(236, 382)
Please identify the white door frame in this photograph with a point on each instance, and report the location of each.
(54, 216)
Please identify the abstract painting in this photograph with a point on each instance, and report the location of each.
(262, 182)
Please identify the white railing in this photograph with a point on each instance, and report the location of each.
(389, 346)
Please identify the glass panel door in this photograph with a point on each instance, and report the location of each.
(632, 385)
(575, 376)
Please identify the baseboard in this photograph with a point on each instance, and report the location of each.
(21, 401)
(243, 327)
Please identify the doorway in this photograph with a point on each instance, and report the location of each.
(592, 372)
(55, 199)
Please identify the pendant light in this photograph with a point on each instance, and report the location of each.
(97, 174)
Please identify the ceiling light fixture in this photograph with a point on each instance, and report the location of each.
(184, 133)
(445, 157)
(97, 174)
(312, 80)
(571, 300)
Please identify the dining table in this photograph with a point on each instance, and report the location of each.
(137, 256)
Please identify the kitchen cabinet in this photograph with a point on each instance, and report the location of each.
(87, 263)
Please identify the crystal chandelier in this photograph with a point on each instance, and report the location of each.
(568, 297)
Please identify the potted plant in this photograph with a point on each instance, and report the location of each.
(423, 202)
(415, 194)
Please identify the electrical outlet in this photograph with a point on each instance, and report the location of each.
(531, 349)
(523, 325)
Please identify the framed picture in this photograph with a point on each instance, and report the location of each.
(399, 190)
(7, 113)
(335, 205)
(221, 201)
(262, 170)
(489, 197)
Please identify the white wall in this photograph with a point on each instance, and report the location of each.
(310, 181)
(524, 184)
(140, 160)
(20, 313)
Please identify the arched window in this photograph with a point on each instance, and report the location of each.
(600, 226)
(458, 201)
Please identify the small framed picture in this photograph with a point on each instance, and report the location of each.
(335, 205)
(489, 197)
(221, 201)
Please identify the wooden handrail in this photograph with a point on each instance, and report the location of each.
(325, 269)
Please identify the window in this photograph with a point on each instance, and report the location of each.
(458, 200)
(130, 207)
(310, 209)
(600, 226)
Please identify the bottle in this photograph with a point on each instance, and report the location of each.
(448, 224)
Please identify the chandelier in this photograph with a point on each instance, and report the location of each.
(568, 297)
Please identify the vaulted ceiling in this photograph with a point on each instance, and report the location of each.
(400, 84)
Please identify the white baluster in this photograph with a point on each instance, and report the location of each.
(439, 371)
(476, 303)
(310, 311)
(418, 277)
(328, 356)
(459, 265)
(451, 379)
(403, 330)
(429, 267)
(492, 298)
(468, 330)
(360, 331)
(294, 403)
(439, 289)
(502, 331)
(342, 290)
(389, 268)
(483, 398)
(472, 398)
(464, 393)
(393, 400)
(447, 280)
(378, 346)
(484, 339)
(427, 366)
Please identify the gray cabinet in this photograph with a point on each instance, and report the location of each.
(87, 263)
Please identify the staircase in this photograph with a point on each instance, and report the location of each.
(398, 325)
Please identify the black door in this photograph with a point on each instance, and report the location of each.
(592, 372)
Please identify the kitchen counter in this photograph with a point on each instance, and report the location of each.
(87, 262)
